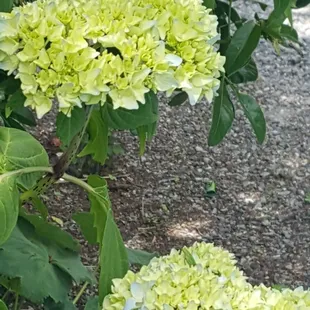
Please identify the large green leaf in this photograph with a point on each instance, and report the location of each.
(98, 131)
(18, 149)
(3, 305)
(44, 269)
(302, 3)
(241, 47)
(86, 222)
(9, 206)
(68, 127)
(113, 257)
(254, 114)
(51, 232)
(131, 119)
(222, 116)
(139, 257)
(6, 5)
(248, 73)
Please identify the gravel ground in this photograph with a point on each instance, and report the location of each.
(258, 212)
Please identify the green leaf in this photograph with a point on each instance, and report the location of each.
(302, 3)
(18, 149)
(209, 4)
(289, 33)
(254, 114)
(178, 99)
(307, 198)
(234, 16)
(9, 206)
(189, 257)
(113, 257)
(98, 131)
(99, 204)
(86, 222)
(139, 257)
(3, 305)
(37, 203)
(241, 47)
(248, 73)
(68, 127)
(123, 119)
(16, 100)
(277, 17)
(222, 116)
(92, 303)
(6, 5)
(142, 134)
(24, 116)
(210, 189)
(44, 269)
(51, 232)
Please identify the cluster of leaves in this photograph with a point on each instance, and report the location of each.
(33, 249)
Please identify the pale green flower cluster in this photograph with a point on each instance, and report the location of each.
(74, 51)
(213, 282)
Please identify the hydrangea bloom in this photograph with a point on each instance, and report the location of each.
(213, 282)
(73, 51)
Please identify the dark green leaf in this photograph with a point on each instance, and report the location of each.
(139, 257)
(16, 100)
(241, 47)
(9, 206)
(131, 119)
(44, 269)
(18, 149)
(3, 305)
(178, 99)
(51, 232)
(248, 73)
(10, 85)
(92, 303)
(68, 127)
(49, 304)
(254, 114)
(86, 222)
(289, 33)
(209, 4)
(98, 130)
(24, 116)
(12, 123)
(222, 116)
(6, 5)
(234, 16)
(113, 257)
(302, 3)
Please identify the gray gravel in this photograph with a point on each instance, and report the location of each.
(259, 211)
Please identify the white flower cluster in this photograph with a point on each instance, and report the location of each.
(212, 283)
(73, 51)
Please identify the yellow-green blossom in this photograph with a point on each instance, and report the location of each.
(121, 49)
(213, 283)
